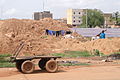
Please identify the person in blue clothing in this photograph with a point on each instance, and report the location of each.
(102, 34)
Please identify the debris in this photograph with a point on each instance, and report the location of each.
(68, 36)
(107, 60)
(114, 56)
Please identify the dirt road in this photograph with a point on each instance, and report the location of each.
(83, 73)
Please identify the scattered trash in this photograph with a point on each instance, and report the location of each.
(114, 56)
(72, 62)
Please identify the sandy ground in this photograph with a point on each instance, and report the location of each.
(81, 73)
(99, 70)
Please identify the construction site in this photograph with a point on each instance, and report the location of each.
(32, 33)
(46, 48)
(14, 31)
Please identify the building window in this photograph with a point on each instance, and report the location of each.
(74, 21)
(74, 17)
(79, 21)
(74, 13)
(79, 17)
(79, 13)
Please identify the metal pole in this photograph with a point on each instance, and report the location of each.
(43, 5)
(86, 19)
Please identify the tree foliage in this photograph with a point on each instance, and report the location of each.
(94, 18)
(116, 18)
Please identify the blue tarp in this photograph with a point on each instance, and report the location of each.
(50, 32)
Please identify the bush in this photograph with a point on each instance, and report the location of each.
(4, 61)
(5, 55)
(98, 53)
(116, 53)
(79, 64)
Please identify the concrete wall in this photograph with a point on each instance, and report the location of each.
(69, 16)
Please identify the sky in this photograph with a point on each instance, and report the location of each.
(24, 9)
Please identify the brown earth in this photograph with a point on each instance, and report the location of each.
(32, 32)
(99, 70)
(83, 73)
(15, 31)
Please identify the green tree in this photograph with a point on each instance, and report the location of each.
(116, 18)
(94, 18)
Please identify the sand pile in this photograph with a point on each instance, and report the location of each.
(69, 45)
(105, 46)
(1, 22)
(13, 31)
(54, 24)
(16, 26)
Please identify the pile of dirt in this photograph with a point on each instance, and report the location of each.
(15, 31)
(1, 22)
(106, 46)
(17, 27)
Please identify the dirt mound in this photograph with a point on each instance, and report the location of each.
(1, 22)
(17, 27)
(105, 46)
(13, 31)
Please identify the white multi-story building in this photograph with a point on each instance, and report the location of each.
(74, 16)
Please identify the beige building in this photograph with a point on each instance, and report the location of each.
(74, 16)
(42, 15)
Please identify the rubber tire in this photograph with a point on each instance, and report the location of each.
(18, 65)
(51, 66)
(42, 64)
(27, 67)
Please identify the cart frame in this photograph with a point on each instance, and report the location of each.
(25, 64)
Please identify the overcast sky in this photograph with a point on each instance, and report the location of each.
(23, 9)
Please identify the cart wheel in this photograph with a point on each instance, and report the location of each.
(42, 63)
(18, 65)
(51, 66)
(27, 67)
